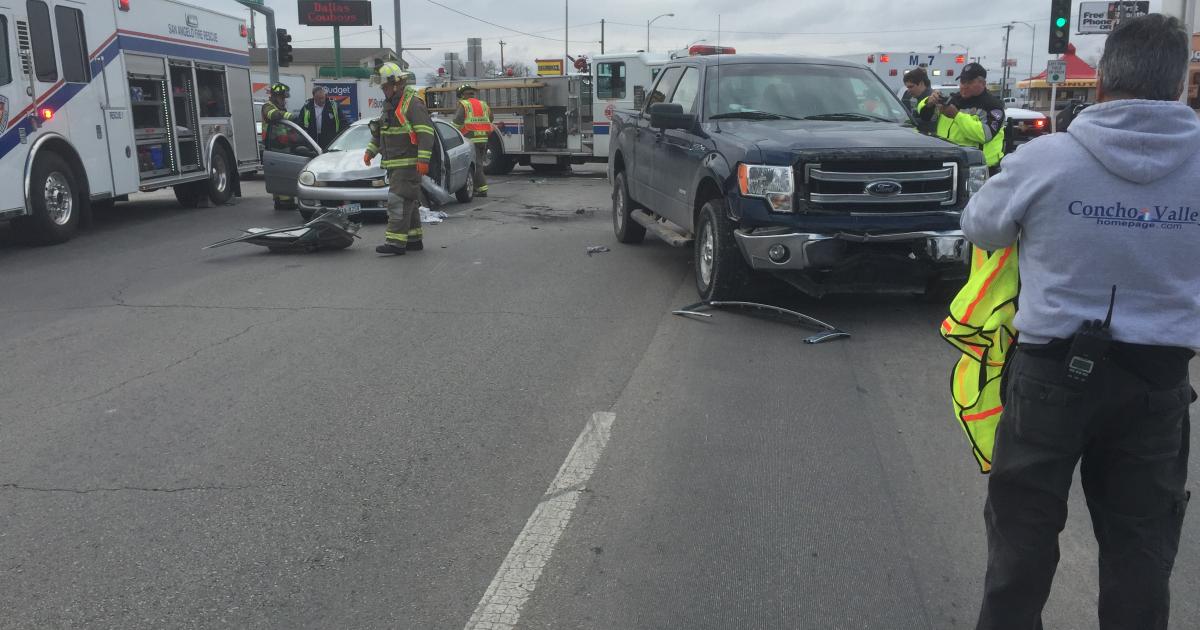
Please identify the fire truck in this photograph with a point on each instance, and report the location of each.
(103, 98)
(551, 122)
(943, 68)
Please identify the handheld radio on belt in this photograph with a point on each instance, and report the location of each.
(1089, 346)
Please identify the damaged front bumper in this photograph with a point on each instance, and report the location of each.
(785, 249)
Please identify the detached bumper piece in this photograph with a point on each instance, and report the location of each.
(827, 331)
(332, 229)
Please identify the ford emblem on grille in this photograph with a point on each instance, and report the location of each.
(884, 188)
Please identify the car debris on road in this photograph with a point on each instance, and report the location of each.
(597, 249)
(828, 333)
(330, 230)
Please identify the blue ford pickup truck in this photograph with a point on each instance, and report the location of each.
(806, 168)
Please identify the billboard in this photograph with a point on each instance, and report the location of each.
(334, 13)
(1099, 17)
(346, 95)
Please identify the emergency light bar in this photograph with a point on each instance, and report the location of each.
(701, 50)
(960, 59)
(123, 5)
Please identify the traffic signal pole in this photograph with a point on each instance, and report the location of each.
(272, 50)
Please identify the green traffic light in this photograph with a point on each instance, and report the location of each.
(1060, 22)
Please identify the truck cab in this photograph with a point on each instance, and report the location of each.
(806, 168)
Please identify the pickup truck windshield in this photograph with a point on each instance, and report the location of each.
(355, 138)
(798, 91)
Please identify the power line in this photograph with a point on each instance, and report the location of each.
(468, 15)
(816, 33)
(319, 39)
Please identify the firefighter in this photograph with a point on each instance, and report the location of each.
(473, 118)
(274, 110)
(403, 137)
(973, 117)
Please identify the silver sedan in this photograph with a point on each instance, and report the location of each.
(294, 166)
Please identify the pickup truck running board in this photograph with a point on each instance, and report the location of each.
(660, 229)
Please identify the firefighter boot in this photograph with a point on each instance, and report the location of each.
(395, 249)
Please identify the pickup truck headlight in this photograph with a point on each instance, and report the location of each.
(308, 178)
(976, 178)
(773, 183)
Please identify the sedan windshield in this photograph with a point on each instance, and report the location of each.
(798, 91)
(356, 138)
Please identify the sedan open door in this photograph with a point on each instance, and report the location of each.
(286, 152)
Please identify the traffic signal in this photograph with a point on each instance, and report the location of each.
(283, 44)
(1060, 26)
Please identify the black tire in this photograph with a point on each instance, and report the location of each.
(467, 192)
(307, 215)
(191, 194)
(627, 230)
(494, 160)
(220, 180)
(57, 200)
(721, 271)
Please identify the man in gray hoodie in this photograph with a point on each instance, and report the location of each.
(1115, 202)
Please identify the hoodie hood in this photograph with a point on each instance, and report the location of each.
(1136, 140)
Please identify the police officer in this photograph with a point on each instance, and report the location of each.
(322, 118)
(274, 110)
(403, 137)
(473, 118)
(1109, 318)
(973, 117)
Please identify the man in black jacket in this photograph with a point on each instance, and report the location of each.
(322, 118)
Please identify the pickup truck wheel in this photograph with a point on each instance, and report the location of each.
(627, 230)
(721, 272)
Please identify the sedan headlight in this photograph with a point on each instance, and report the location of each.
(308, 178)
(773, 183)
(976, 178)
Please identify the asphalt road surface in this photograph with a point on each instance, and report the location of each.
(501, 431)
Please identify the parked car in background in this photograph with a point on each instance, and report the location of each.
(1022, 126)
(295, 166)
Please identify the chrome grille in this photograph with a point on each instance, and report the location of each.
(882, 186)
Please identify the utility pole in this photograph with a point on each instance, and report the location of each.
(566, 36)
(272, 45)
(1004, 75)
(381, 36)
(601, 36)
(939, 49)
(400, 40)
(502, 56)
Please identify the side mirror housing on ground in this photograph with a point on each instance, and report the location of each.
(670, 116)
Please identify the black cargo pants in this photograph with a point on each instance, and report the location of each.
(1130, 427)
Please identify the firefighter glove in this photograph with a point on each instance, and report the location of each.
(367, 158)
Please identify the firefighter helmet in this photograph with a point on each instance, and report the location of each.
(391, 72)
(464, 88)
(280, 89)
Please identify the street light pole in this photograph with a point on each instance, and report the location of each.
(1032, 54)
(648, 23)
(1004, 75)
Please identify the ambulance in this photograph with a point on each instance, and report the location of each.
(100, 99)
(943, 68)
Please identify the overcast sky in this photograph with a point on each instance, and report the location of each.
(771, 26)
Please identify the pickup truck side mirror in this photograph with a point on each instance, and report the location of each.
(670, 116)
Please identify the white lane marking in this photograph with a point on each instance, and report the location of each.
(500, 608)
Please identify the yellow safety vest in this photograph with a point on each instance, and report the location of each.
(476, 125)
(967, 130)
(981, 326)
